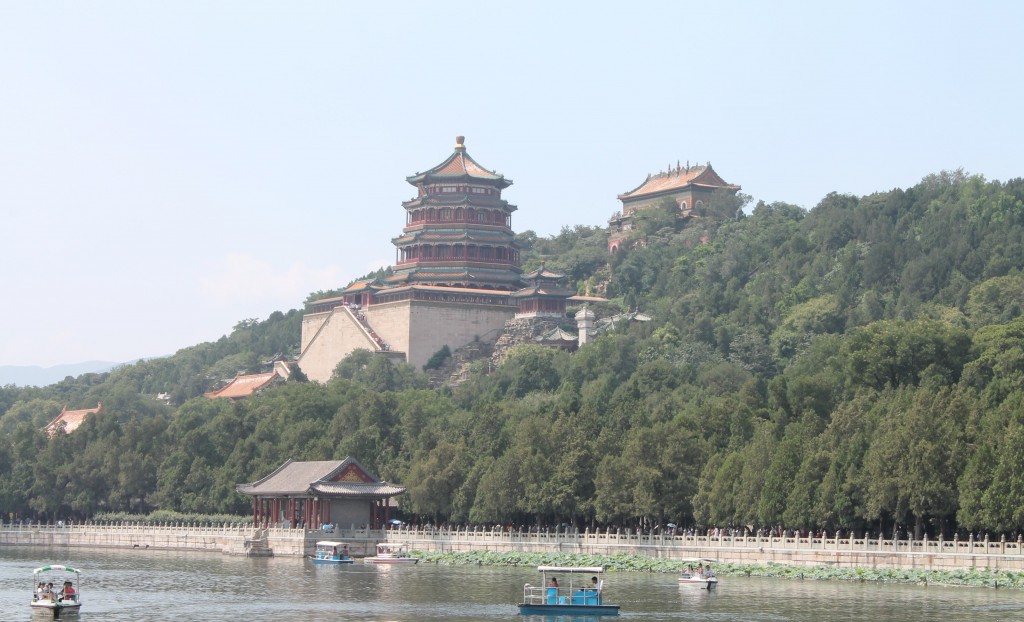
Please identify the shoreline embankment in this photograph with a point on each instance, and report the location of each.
(253, 540)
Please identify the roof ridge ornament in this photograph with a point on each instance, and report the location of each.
(460, 143)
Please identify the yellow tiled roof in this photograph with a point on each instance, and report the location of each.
(71, 419)
(678, 178)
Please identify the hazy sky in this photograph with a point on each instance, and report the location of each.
(168, 169)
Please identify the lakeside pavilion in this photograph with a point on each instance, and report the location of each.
(311, 494)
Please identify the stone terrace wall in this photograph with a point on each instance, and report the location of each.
(237, 539)
(845, 552)
(246, 539)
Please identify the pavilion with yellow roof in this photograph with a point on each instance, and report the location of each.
(689, 187)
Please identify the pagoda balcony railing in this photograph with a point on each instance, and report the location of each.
(451, 260)
(505, 224)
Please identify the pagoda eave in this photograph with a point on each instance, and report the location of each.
(433, 178)
(730, 188)
(455, 200)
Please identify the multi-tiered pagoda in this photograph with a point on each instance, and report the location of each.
(458, 230)
(457, 278)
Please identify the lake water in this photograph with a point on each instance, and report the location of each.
(182, 587)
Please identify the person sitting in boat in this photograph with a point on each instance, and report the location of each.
(39, 591)
(344, 553)
(700, 569)
(334, 552)
(588, 587)
(48, 592)
(552, 591)
(708, 572)
(68, 592)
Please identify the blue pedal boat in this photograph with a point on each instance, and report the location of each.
(581, 592)
(330, 552)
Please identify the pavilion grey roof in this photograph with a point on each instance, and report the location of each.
(557, 334)
(609, 323)
(303, 478)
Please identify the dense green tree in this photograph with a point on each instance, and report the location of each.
(894, 353)
(850, 367)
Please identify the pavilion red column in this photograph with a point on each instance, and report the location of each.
(291, 502)
(255, 511)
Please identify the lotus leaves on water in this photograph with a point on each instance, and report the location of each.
(977, 577)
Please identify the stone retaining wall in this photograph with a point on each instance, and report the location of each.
(230, 540)
(810, 551)
(246, 539)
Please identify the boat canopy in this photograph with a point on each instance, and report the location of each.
(331, 543)
(586, 569)
(55, 567)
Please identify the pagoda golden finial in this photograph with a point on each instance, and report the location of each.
(460, 142)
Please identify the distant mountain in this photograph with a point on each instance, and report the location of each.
(43, 376)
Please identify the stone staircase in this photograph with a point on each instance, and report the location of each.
(253, 546)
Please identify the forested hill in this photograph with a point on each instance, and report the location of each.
(857, 366)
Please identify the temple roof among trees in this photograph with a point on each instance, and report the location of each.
(362, 285)
(543, 283)
(246, 385)
(71, 419)
(557, 335)
(543, 290)
(459, 167)
(543, 274)
(678, 178)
